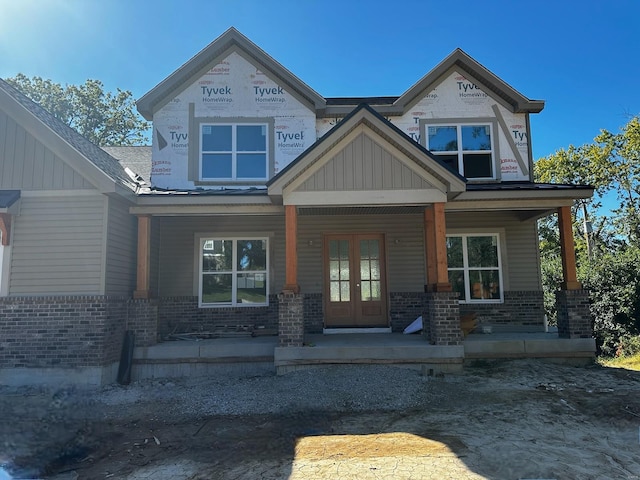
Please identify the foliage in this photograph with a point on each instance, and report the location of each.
(613, 280)
(104, 118)
(630, 361)
(609, 264)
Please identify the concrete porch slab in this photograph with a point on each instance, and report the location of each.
(527, 345)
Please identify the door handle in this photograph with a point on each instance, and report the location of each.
(357, 284)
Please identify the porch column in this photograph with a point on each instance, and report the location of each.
(572, 301)
(291, 246)
(144, 253)
(436, 245)
(567, 250)
(5, 228)
(442, 311)
(290, 301)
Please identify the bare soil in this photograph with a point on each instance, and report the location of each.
(499, 419)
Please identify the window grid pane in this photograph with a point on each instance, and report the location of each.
(478, 278)
(466, 149)
(244, 267)
(234, 152)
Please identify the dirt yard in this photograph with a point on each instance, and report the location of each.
(498, 420)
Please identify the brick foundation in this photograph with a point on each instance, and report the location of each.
(313, 313)
(142, 320)
(405, 307)
(443, 314)
(574, 314)
(291, 321)
(61, 331)
(520, 308)
(182, 314)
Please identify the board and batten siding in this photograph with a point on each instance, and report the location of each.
(177, 265)
(521, 263)
(121, 247)
(26, 164)
(404, 237)
(58, 246)
(363, 165)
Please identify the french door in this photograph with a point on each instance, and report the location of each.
(355, 293)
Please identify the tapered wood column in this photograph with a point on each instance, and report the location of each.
(291, 246)
(429, 242)
(5, 228)
(144, 256)
(436, 244)
(567, 250)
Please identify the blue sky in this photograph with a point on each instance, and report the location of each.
(582, 58)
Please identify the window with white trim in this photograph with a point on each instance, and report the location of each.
(234, 272)
(474, 267)
(233, 151)
(466, 148)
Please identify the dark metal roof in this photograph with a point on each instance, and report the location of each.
(358, 100)
(236, 192)
(8, 197)
(511, 186)
(101, 159)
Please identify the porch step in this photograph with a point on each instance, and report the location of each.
(418, 355)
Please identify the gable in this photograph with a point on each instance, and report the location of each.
(344, 161)
(72, 149)
(233, 90)
(364, 164)
(211, 56)
(477, 74)
(27, 164)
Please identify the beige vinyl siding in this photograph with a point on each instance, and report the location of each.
(521, 264)
(404, 237)
(177, 267)
(26, 164)
(363, 165)
(121, 249)
(58, 246)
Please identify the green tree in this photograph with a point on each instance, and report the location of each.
(104, 118)
(609, 260)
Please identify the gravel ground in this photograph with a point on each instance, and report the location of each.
(498, 419)
(331, 388)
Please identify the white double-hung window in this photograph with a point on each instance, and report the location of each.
(474, 266)
(467, 148)
(234, 151)
(233, 272)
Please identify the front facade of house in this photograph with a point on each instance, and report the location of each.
(273, 207)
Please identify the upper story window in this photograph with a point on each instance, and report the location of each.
(234, 151)
(468, 148)
(230, 151)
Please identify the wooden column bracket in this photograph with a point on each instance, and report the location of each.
(5, 228)
(567, 250)
(144, 257)
(291, 246)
